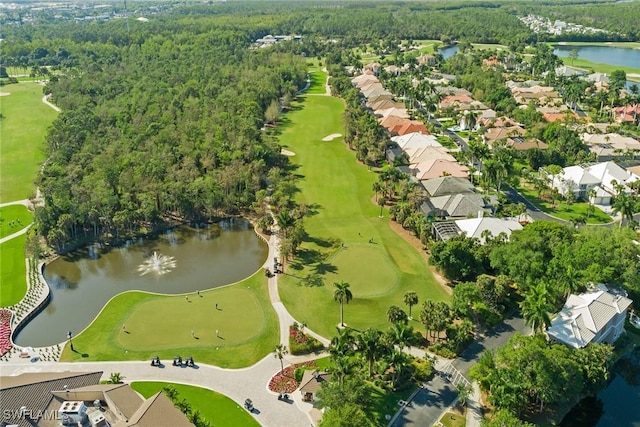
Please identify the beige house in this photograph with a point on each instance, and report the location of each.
(47, 399)
(610, 146)
(311, 383)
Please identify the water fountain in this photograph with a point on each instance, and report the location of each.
(157, 264)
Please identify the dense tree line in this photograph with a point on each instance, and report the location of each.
(169, 125)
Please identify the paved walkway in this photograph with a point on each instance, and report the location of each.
(16, 234)
(45, 99)
(237, 384)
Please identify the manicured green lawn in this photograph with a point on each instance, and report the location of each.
(601, 67)
(318, 80)
(339, 189)
(628, 45)
(22, 134)
(161, 325)
(564, 211)
(216, 408)
(451, 419)
(13, 278)
(13, 219)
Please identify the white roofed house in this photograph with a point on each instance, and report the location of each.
(596, 316)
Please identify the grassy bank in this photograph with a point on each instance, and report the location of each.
(13, 271)
(216, 408)
(633, 74)
(378, 264)
(241, 331)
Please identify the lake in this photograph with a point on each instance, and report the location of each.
(602, 54)
(615, 406)
(181, 260)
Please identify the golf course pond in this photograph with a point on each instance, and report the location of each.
(180, 260)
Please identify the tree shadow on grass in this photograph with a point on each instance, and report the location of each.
(323, 268)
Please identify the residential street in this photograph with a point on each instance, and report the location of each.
(439, 394)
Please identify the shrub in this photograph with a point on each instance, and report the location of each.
(422, 369)
(443, 350)
(301, 343)
(298, 374)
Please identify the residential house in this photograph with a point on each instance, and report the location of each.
(364, 79)
(375, 89)
(596, 316)
(435, 168)
(411, 126)
(480, 228)
(560, 117)
(463, 205)
(416, 140)
(513, 137)
(391, 122)
(47, 399)
(566, 71)
(627, 114)
(446, 185)
(611, 146)
(383, 104)
(426, 59)
(374, 67)
(421, 154)
(539, 95)
(396, 112)
(601, 177)
(461, 103)
(379, 95)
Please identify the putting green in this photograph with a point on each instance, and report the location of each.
(161, 325)
(366, 268)
(167, 323)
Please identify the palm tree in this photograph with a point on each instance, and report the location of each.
(427, 315)
(342, 366)
(624, 204)
(536, 307)
(184, 406)
(401, 335)
(342, 295)
(116, 378)
(342, 343)
(369, 345)
(396, 315)
(285, 222)
(411, 299)
(280, 352)
(171, 392)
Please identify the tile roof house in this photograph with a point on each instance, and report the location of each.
(596, 316)
(50, 398)
(447, 185)
(627, 114)
(384, 103)
(396, 112)
(415, 140)
(421, 154)
(426, 59)
(463, 205)
(567, 71)
(435, 168)
(412, 126)
(611, 145)
(363, 80)
(392, 121)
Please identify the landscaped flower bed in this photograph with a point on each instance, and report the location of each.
(5, 331)
(301, 343)
(285, 382)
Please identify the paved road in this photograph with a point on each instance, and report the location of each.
(533, 211)
(439, 394)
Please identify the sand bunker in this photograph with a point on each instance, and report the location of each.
(287, 152)
(4, 94)
(332, 137)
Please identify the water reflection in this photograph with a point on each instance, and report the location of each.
(83, 281)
